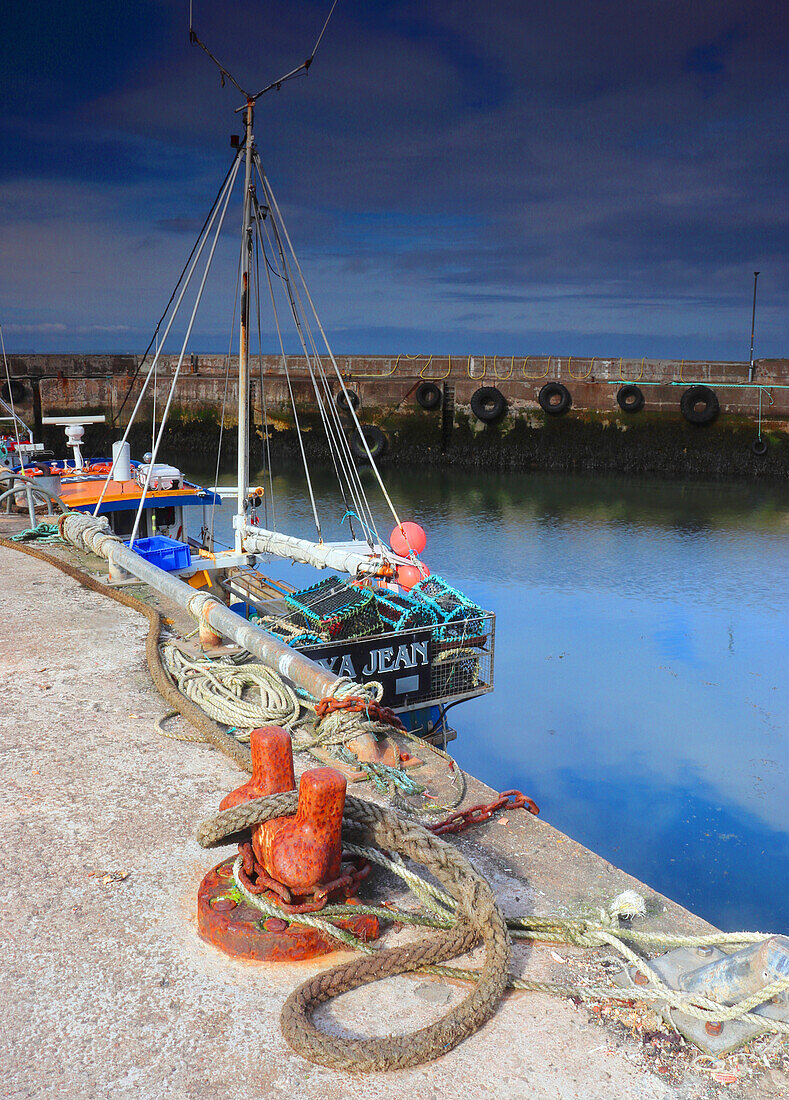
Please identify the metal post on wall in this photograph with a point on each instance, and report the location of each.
(753, 326)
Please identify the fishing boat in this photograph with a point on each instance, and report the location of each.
(86, 486)
(380, 615)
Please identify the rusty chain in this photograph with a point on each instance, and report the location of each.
(357, 704)
(475, 815)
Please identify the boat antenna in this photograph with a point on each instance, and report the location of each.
(274, 85)
(250, 202)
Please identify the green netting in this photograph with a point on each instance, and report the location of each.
(402, 611)
(454, 609)
(335, 608)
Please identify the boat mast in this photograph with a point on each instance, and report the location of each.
(243, 341)
(246, 256)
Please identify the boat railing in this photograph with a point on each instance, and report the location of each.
(15, 418)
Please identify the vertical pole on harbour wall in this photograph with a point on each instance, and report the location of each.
(753, 326)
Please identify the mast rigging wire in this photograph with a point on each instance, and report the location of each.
(175, 291)
(292, 396)
(227, 188)
(257, 271)
(263, 403)
(275, 208)
(340, 443)
(336, 443)
(224, 392)
(321, 409)
(187, 335)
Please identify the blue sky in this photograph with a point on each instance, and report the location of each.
(500, 178)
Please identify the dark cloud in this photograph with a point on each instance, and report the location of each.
(495, 177)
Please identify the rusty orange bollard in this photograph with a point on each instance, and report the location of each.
(295, 862)
(272, 767)
(304, 851)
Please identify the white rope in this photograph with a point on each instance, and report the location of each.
(263, 402)
(290, 391)
(226, 190)
(335, 434)
(327, 426)
(198, 299)
(223, 690)
(224, 397)
(351, 409)
(353, 479)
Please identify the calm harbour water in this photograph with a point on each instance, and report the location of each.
(641, 656)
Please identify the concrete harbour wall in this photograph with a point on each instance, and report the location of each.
(595, 434)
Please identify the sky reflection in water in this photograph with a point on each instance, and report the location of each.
(641, 691)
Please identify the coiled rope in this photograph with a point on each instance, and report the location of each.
(335, 729)
(444, 909)
(218, 688)
(468, 902)
(245, 694)
(478, 918)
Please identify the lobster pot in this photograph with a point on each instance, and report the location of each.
(456, 671)
(402, 611)
(288, 632)
(334, 608)
(453, 608)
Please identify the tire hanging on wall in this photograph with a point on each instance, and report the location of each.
(376, 441)
(428, 395)
(488, 404)
(16, 390)
(554, 398)
(759, 447)
(697, 396)
(353, 398)
(630, 398)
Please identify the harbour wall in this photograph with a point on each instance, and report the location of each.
(594, 434)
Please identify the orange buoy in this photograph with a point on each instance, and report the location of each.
(407, 539)
(409, 575)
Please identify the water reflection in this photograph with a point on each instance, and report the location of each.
(641, 692)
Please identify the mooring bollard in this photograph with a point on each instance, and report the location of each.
(272, 767)
(304, 851)
(293, 863)
(737, 976)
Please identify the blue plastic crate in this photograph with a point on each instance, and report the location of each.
(167, 554)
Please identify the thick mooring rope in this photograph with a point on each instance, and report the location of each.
(467, 911)
(439, 911)
(478, 918)
(449, 908)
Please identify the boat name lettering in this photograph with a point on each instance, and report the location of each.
(387, 659)
(402, 664)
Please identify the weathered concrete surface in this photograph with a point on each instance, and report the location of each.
(594, 435)
(108, 990)
(67, 383)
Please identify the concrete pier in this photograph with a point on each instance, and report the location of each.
(109, 991)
